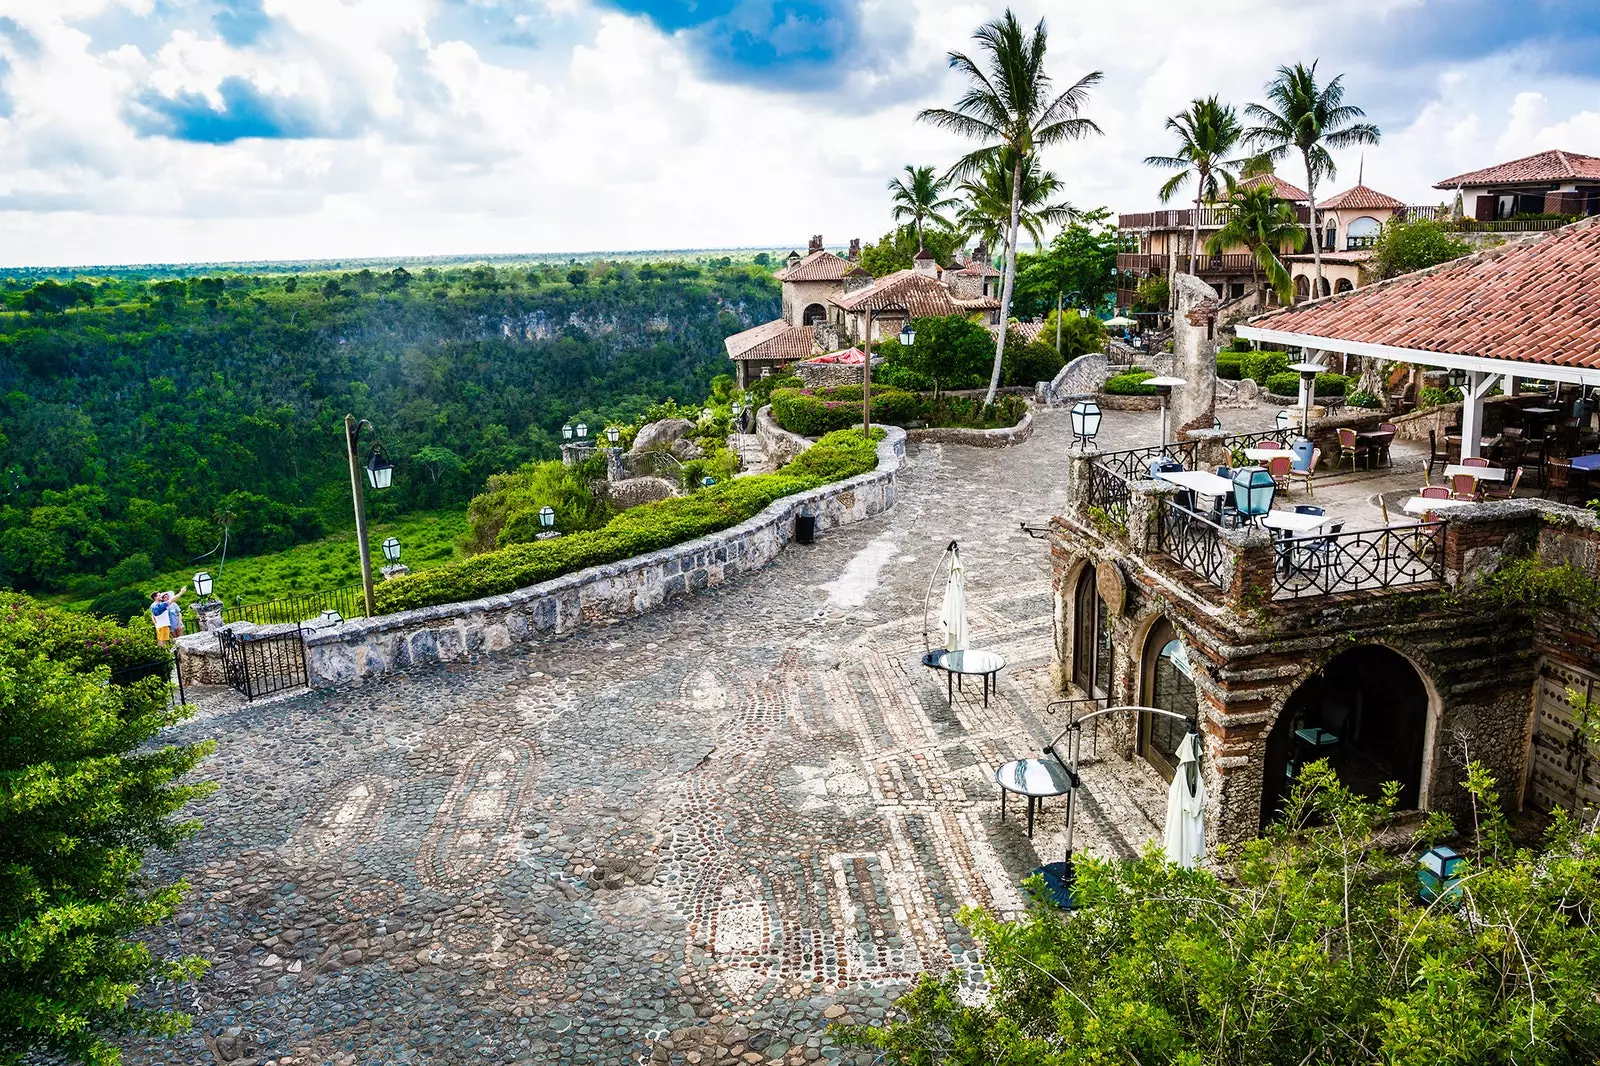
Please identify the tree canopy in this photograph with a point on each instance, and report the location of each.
(1406, 246)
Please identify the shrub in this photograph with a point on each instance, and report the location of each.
(1331, 385)
(813, 412)
(1435, 397)
(1365, 399)
(507, 511)
(1284, 384)
(1028, 364)
(1259, 366)
(1239, 344)
(761, 389)
(634, 532)
(1229, 366)
(1131, 383)
(1288, 384)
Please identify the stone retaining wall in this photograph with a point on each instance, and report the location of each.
(976, 438)
(364, 648)
(1117, 402)
(778, 443)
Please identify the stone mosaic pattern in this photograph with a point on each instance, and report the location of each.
(698, 836)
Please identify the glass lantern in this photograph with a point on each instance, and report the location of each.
(547, 517)
(908, 336)
(380, 471)
(1085, 420)
(1253, 489)
(391, 549)
(1439, 874)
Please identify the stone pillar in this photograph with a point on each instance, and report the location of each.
(1194, 355)
(614, 471)
(208, 615)
(1210, 450)
(1144, 507)
(573, 453)
(1080, 458)
(1255, 563)
(394, 570)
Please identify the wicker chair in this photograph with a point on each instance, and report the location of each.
(1475, 460)
(1310, 470)
(1435, 456)
(1463, 487)
(1348, 449)
(1279, 466)
(1490, 492)
(1558, 478)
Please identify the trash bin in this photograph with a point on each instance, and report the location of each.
(805, 528)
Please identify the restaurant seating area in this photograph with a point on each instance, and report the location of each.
(1548, 444)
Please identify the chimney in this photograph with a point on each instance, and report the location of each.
(816, 244)
(980, 254)
(794, 257)
(924, 263)
(855, 249)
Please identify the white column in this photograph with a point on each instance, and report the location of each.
(1478, 386)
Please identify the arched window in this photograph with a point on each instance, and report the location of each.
(1302, 287)
(1091, 638)
(814, 314)
(1322, 287)
(1362, 232)
(1342, 285)
(1168, 685)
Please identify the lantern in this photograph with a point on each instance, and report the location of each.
(1253, 489)
(1085, 420)
(331, 617)
(1083, 312)
(202, 584)
(737, 409)
(547, 517)
(391, 549)
(380, 471)
(707, 482)
(613, 434)
(706, 413)
(1283, 419)
(566, 431)
(583, 430)
(1438, 872)
(908, 336)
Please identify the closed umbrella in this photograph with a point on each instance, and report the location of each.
(953, 611)
(1186, 807)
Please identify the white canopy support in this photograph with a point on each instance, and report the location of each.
(1478, 386)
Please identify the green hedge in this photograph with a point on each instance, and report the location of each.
(1259, 366)
(1131, 383)
(813, 412)
(1288, 384)
(1230, 366)
(637, 531)
(81, 641)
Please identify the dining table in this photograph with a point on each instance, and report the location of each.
(1261, 455)
(1587, 463)
(1294, 521)
(1423, 504)
(1482, 473)
(1199, 481)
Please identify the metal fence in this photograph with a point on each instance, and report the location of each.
(1241, 441)
(348, 601)
(1324, 564)
(168, 667)
(1108, 491)
(260, 664)
(1195, 543)
(1134, 464)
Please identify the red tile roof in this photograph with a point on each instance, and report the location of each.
(1280, 188)
(819, 266)
(1543, 168)
(919, 295)
(976, 269)
(1361, 198)
(773, 340)
(1535, 300)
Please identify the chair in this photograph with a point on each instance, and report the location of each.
(1279, 466)
(1378, 448)
(1435, 456)
(1347, 447)
(1225, 472)
(1492, 493)
(1434, 492)
(1475, 460)
(1309, 508)
(1309, 472)
(1452, 448)
(1558, 478)
(1270, 444)
(1463, 487)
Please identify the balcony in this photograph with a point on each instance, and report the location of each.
(1183, 218)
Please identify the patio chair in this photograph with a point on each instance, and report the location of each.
(1348, 448)
(1314, 553)
(1309, 508)
(1558, 478)
(1434, 492)
(1270, 444)
(1463, 487)
(1279, 466)
(1475, 460)
(1378, 448)
(1435, 456)
(1490, 492)
(1310, 471)
(1452, 449)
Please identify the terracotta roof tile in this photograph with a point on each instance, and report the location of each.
(1280, 188)
(919, 295)
(772, 340)
(1543, 168)
(819, 266)
(1535, 300)
(1361, 198)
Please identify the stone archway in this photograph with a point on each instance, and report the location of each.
(814, 314)
(1367, 713)
(1343, 285)
(1302, 288)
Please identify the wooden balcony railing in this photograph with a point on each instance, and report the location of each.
(1183, 218)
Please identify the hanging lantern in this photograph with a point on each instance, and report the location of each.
(1085, 420)
(1438, 872)
(380, 471)
(908, 336)
(583, 430)
(1253, 489)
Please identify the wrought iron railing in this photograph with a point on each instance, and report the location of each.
(259, 664)
(166, 666)
(1356, 244)
(1325, 564)
(1195, 543)
(1109, 496)
(348, 601)
(1134, 464)
(1241, 441)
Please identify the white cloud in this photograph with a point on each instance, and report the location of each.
(606, 133)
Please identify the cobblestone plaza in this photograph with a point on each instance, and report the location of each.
(700, 836)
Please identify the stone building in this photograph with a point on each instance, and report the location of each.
(826, 298)
(1380, 648)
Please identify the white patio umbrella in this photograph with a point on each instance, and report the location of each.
(1186, 808)
(1121, 321)
(953, 611)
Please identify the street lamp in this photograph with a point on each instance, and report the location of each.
(566, 431)
(1308, 380)
(908, 336)
(612, 433)
(391, 549)
(1085, 421)
(1164, 386)
(202, 585)
(547, 516)
(380, 472)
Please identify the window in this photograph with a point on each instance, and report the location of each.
(1091, 638)
(1362, 232)
(1329, 237)
(1168, 686)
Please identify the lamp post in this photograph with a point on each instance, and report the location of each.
(1083, 312)
(1164, 387)
(379, 471)
(566, 431)
(1085, 421)
(583, 430)
(612, 433)
(1308, 382)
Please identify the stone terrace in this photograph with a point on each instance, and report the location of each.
(694, 837)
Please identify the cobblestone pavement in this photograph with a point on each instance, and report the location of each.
(699, 836)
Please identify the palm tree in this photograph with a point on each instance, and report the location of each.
(1009, 104)
(986, 208)
(920, 195)
(1308, 119)
(1263, 224)
(1208, 132)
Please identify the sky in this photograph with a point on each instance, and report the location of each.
(144, 131)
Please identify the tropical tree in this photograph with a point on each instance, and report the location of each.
(988, 203)
(918, 196)
(1303, 117)
(1010, 102)
(1263, 224)
(1207, 132)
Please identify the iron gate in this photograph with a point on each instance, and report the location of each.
(260, 664)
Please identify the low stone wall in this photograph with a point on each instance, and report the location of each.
(778, 444)
(1116, 402)
(828, 375)
(371, 647)
(635, 491)
(976, 438)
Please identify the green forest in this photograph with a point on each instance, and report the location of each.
(139, 414)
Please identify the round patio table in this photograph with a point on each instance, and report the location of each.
(971, 661)
(1037, 779)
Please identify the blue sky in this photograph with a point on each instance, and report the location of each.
(162, 130)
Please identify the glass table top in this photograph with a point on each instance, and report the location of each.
(1034, 777)
(970, 661)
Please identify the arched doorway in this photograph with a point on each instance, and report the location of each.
(1302, 288)
(1366, 712)
(1322, 287)
(1091, 637)
(813, 315)
(1168, 684)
